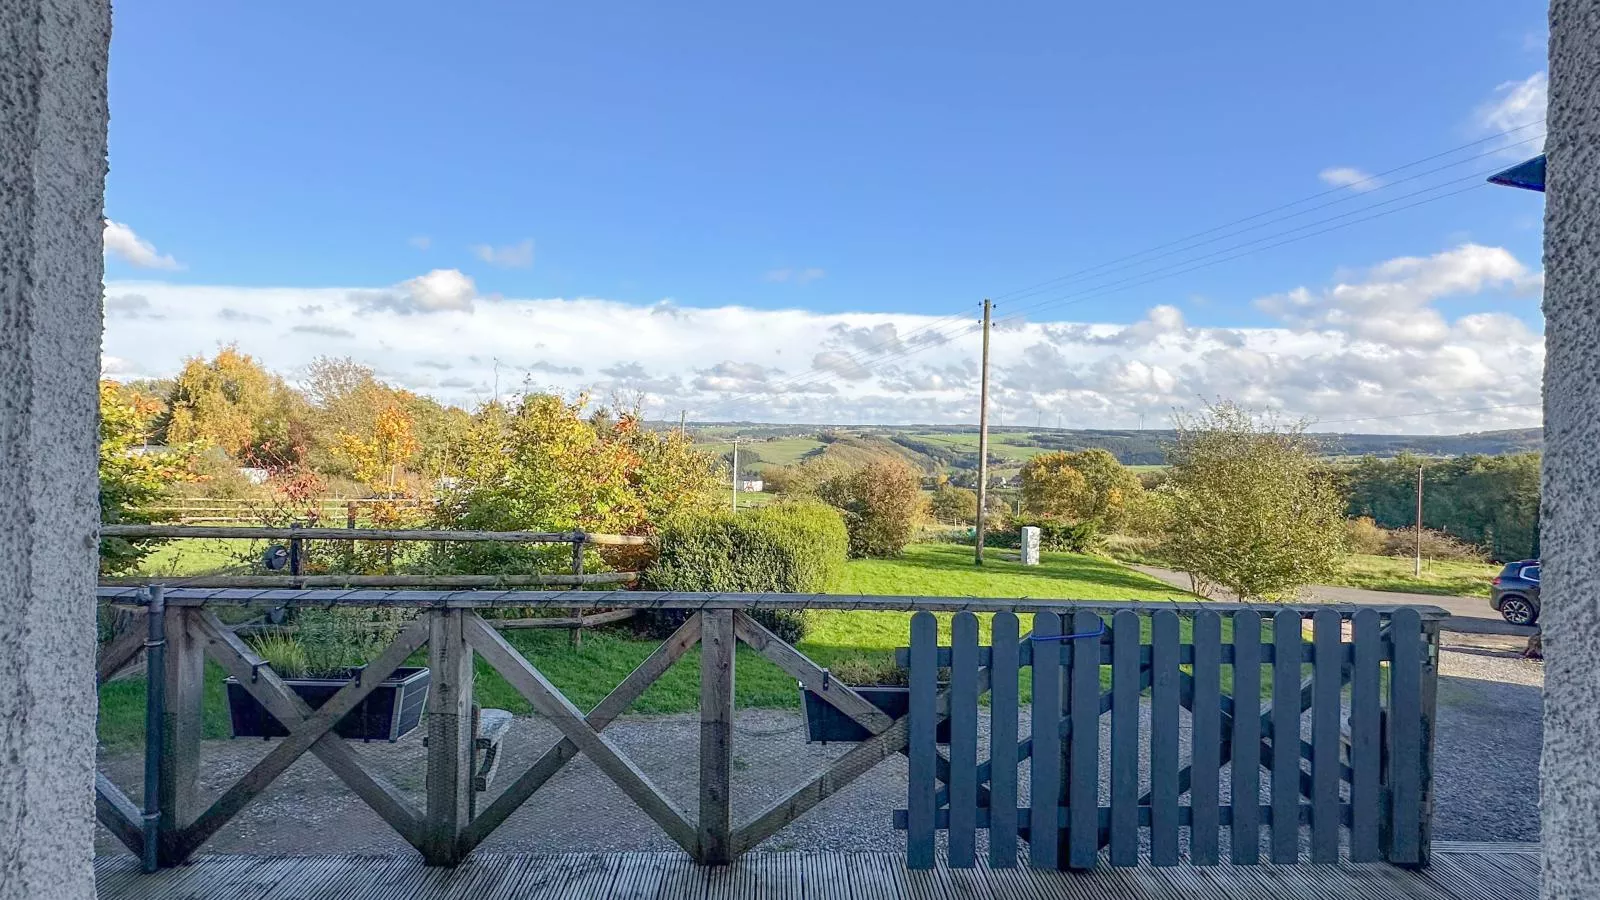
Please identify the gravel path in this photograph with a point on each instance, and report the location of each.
(1487, 777)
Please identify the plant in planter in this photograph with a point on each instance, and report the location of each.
(322, 654)
(879, 681)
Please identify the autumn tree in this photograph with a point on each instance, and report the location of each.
(376, 459)
(954, 505)
(879, 501)
(1089, 485)
(232, 402)
(1251, 511)
(133, 477)
(538, 463)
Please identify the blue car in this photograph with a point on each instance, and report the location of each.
(1514, 593)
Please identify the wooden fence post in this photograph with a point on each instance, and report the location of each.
(716, 738)
(450, 726)
(577, 569)
(182, 725)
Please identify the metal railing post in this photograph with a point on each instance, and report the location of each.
(155, 712)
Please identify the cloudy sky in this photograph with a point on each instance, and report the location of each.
(1295, 218)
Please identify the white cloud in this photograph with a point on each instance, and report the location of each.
(124, 244)
(511, 256)
(1349, 177)
(1406, 335)
(1517, 105)
(442, 290)
(794, 276)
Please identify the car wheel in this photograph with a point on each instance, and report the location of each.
(1518, 611)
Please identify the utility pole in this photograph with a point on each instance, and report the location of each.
(1419, 521)
(735, 474)
(682, 415)
(983, 437)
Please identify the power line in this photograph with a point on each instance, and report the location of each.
(1152, 276)
(1347, 196)
(902, 346)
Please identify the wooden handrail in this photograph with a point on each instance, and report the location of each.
(256, 532)
(622, 599)
(293, 581)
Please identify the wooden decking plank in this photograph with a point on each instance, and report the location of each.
(879, 876)
(1455, 875)
(1470, 877)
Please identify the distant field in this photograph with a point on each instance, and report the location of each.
(780, 452)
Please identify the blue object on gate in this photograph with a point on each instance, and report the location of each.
(1528, 175)
(1082, 635)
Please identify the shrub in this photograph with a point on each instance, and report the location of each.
(860, 670)
(879, 502)
(796, 547)
(1435, 545)
(1364, 536)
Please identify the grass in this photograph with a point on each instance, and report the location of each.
(780, 452)
(195, 557)
(587, 673)
(1394, 573)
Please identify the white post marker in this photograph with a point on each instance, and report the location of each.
(1030, 545)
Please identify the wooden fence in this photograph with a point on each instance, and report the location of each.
(448, 826)
(217, 510)
(1367, 753)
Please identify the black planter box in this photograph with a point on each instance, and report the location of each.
(392, 710)
(824, 722)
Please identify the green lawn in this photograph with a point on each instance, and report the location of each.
(588, 672)
(196, 557)
(1394, 573)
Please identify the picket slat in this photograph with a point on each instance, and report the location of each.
(1405, 737)
(1003, 742)
(963, 740)
(1325, 710)
(1083, 801)
(922, 732)
(1125, 739)
(1365, 748)
(1205, 737)
(1046, 762)
(1164, 738)
(1245, 826)
(1286, 640)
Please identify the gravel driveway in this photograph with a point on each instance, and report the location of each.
(1487, 777)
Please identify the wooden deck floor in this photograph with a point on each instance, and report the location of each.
(1460, 872)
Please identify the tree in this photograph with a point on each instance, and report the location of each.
(1089, 485)
(536, 463)
(954, 505)
(234, 403)
(132, 475)
(879, 501)
(1491, 501)
(376, 460)
(1252, 511)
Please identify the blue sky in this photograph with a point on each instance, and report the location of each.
(839, 158)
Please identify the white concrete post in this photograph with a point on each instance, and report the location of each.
(1030, 545)
(52, 186)
(1570, 517)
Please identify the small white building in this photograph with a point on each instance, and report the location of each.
(750, 485)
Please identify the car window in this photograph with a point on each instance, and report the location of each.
(1530, 573)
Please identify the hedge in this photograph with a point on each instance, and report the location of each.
(1054, 534)
(795, 547)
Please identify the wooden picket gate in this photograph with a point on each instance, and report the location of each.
(1356, 752)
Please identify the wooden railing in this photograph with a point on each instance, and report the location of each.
(448, 827)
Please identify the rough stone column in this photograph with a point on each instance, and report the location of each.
(52, 183)
(1570, 518)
